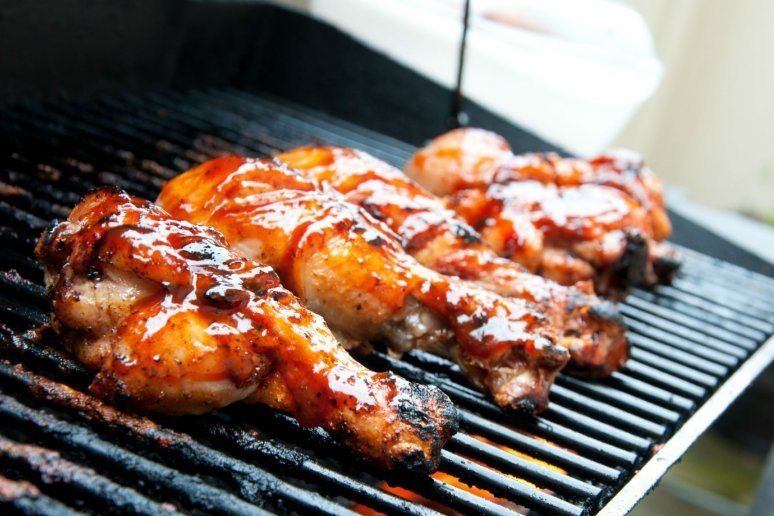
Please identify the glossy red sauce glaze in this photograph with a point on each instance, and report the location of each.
(606, 214)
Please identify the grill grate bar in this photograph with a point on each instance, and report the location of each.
(249, 441)
(650, 391)
(596, 428)
(505, 486)
(720, 275)
(23, 199)
(667, 352)
(608, 412)
(15, 346)
(94, 124)
(517, 466)
(736, 347)
(704, 277)
(662, 356)
(258, 141)
(725, 273)
(20, 313)
(539, 449)
(84, 149)
(185, 118)
(399, 150)
(678, 307)
(722, 354)
(623, 399)
(13, 237)
(173, 120)
(664, 379)
(691, 323)
(724, 296)
(21, 218)
(24, 498)
(428, 487)
(47, 467)
(719, 267)
(45, 190)
(754, 279)
(456, 497)
(282, 123)
(24, 288)
(691, 298)
(72, 184)
(680, 370)
(73, 437)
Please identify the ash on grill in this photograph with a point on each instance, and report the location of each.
(63, 451)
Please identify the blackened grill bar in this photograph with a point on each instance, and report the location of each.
(687, 339)
(190, 451)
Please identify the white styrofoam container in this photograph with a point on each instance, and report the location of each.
(570, 71)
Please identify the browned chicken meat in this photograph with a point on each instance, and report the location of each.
(351, 269)
(589, 328)
(174, 322)
(567, 219)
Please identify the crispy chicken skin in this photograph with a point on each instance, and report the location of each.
(351, 269)
(591, 329)
(176, 323)
(565, 218)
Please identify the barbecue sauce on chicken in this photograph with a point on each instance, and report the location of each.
(175, 322)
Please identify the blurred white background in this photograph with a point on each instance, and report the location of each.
(710, 125)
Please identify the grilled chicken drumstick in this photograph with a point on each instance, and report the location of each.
(176, 323)
(589, 328)
(565, 218)
(351, 269)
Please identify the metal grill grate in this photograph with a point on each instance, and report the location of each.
(688, 339)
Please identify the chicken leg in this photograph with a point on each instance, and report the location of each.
(602, 219)
(591, 329)
(174, 322)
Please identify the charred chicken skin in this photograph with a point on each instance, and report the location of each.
(590, 329)
(567, 219)
(351, 269)
(176, 323)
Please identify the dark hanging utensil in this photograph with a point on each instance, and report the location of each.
(457, 117)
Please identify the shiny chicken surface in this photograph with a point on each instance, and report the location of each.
(174, 322)
(589, 328)
(565, 218)
(352, 270)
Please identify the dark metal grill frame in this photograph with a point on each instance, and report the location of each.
(695, 346)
